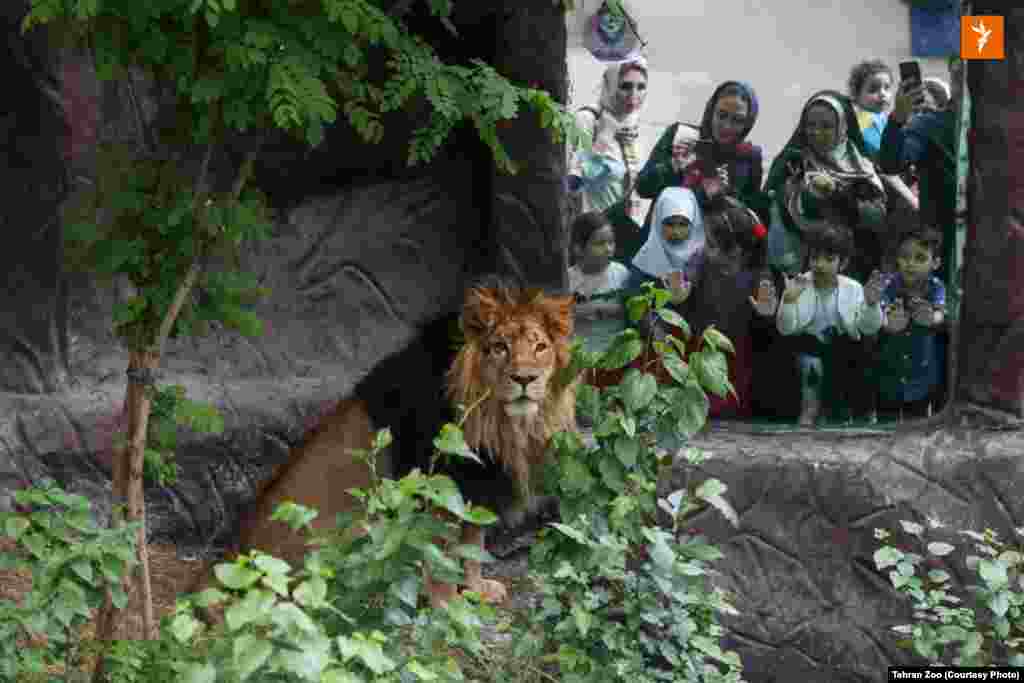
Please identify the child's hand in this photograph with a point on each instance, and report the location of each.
(896, 318)
(873, 288)
(765, 301)
(922, 312)
(678, 286)
(795, 286)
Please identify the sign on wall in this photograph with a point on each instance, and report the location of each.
(935, 28)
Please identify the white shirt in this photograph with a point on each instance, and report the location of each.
(608, 280)
(826, 312)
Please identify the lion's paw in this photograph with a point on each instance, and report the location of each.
(491, 591)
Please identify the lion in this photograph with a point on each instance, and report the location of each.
(517, 342)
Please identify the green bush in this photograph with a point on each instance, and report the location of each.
(986, 631)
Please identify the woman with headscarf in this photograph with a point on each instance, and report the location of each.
(822, 176)
(714, 158)
(602, 178)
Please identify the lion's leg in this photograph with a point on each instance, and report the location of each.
(489, 590)
(438, 592)
(317, 475)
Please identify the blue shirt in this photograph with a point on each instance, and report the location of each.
(911, 363)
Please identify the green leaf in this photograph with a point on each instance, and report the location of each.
(270, 565)
(420, 671)
(311, 593)
(199, 673)
(83, 570)
(235, 576)
(993, 573)
(622, 352)
(368, 652)
(887, 556)
(718, 341)
(677, 369)
(638, 390)
(636, 307)
(14, 527)
(712, 370)
(710, 489)
(588, 401)
(255, 605)
(582, 618)
(676, 320)
(691, 410)
(452, 442)
(350, 20)
(250, 653)
(626, 450)
(480, 516)
(473, 552)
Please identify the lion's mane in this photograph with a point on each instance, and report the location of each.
(518, 444)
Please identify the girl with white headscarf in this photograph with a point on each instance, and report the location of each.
(676, 213)
(602, 177)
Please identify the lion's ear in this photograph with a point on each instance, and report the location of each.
(558, 315)
(479, 312)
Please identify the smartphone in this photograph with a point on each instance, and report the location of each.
(910, 75)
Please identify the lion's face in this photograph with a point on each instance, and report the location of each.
(518, 361)
(507, 375)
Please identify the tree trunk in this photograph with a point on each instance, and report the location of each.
(128, 487)
(991, 349)
(528, 208)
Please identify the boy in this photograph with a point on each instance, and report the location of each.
(911, 359)
(828, 315)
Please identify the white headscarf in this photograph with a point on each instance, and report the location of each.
(610, 88)
(657, 257)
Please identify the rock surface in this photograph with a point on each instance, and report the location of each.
(813, 606)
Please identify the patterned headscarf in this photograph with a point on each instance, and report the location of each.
(657, 257)
(610, 85)
(847, 160)
(747, 92)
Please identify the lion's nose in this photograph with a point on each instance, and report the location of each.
(522, 380)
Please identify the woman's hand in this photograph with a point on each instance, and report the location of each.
(821, 184)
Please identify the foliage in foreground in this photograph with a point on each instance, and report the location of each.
(985, 627)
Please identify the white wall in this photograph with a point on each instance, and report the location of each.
(786, 50)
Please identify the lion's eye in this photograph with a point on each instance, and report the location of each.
(541, 346)
(499, 348)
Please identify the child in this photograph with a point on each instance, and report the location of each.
(672, 258)
(735, 294)
(871, 88)
(911, 363)
(597, 281)
(674, 251)
(828, 315)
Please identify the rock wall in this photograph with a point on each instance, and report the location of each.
(813, 608)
